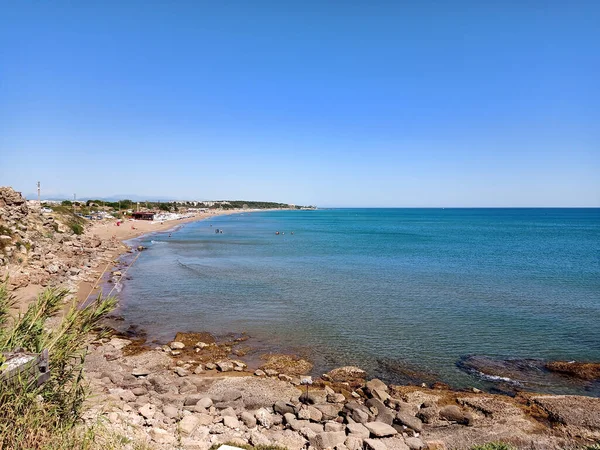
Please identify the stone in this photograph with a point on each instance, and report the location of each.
(336, 398)
(310, 413)
(358, 430)
(428, 415)
(380, 429)
(380, 394)
(170, 411)
(409, 421)
(204, 402)
(395, 443)
(248, 419)
(376, 384)
(329, 411)
(188, 424)
(334, 426)
(314, 397)
(138, 391)
(259, 373)
(161, 436)
(414, 443)
(453, 413)
(353, 442)
(347, 373)
(198, 370)
(210, 366)
(225, 366)
(181, 371)
(264, 418)
(228, 412)
(271, 372)
(118, 343)
(435, 445)
(257, 438)
(231, 422)
(177, 345)
(571, 410)
(374, 444)
(148, 411)
(360, 416)
(322, 441)
(283, 408)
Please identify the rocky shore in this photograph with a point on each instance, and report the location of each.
(194, 392)
(170, 399)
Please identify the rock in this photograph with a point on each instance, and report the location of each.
(414, 443)
(264, 418)
(210, 366)
(314, 397)
(188, 424)
(181, 371)
(572, 410)
(283, 408)
(334, 426)
(286, 439)
(453, 413)
(380, 429)
(353, 442)
(584, 371)
(257, 438)
(271, 372)
(140, 372)
(329, 411)
(225, 366)
(198, 370)
(118, 343)
(148, 411)
(138, 391)
(204, 419)
(229, 395)
(284, 377)
(358, 430)
(394, 443)
(310, 413)
(360, 416)
(259, 373)
(409, 421)
(374, 444)
(376, 384)
(170, 411)
(248, 419)
(228, 412)
(435, 445)
(161, 436)
(204, 402)
(322, 441)
(177, 345)
(428, 415)
(347, 373)
(231, 422)
(336, 398)
(380, 395)
(288, 364)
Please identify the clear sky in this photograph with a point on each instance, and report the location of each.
(333, 103)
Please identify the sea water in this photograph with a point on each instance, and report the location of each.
(403, 293)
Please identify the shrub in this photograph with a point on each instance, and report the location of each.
(77, 228)
(46, 416)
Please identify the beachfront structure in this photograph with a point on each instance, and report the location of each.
(143, 215)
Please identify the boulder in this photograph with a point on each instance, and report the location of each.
(380, 429)
(231, 422)
(310, 413)
(283, 408)
(334, 426)
(188, 424)
(453, 413)
(358, 430)
(353, 442)
(322, 441)
(414, 443)
(248, 419)
(148, 411)
(347, 373)
(264, 418)
(225, 366)
(177, 345)
(374, 444)
(204, 402)
(329, 411)
(170, 411)
(409, 421)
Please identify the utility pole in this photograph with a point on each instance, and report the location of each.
(39, 201)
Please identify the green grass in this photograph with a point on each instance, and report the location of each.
(493, 446)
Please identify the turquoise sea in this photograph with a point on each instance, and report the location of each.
(410, 295)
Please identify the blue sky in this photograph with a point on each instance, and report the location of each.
(336, 103)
